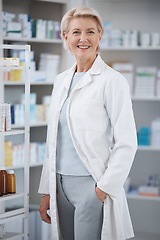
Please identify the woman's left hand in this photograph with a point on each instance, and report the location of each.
(100, 194)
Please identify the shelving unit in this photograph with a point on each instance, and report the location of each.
(138, 48)
(31, 40)
(12, 83)
(47, 10)
(19, 212)
(136, 197)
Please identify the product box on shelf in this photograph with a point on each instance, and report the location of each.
(145, 81)
(5, 117)
(9, 62)
(148, 191)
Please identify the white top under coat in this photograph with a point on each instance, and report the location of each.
(68, 161)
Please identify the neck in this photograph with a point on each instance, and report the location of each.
(84, 65)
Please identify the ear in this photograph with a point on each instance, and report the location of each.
(100, 35)
(65, 35)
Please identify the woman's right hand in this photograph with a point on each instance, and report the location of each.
(44, 206)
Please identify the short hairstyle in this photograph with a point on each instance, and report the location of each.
(82, 11)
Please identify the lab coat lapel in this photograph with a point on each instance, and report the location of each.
(69, 76)
(95, 69)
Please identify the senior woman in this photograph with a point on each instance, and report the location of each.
(91, 141)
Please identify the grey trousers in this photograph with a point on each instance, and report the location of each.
(80, 210)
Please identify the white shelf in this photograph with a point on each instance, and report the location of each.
(139, 48)
(53, 1)
(12, 236)
(12, 132)
(148, 148)
(41, 83)
(15, 167)
(142, 198)
(22, 166)
(11, 68)
(11, 196)
(14, 83)
(13, 215)
(32, 40)
(134, 98)
(146, 236)
(36, 164)
(38, 124)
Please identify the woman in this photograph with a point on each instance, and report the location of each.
(91, 141)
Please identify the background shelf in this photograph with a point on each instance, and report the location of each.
(31, 40)
(12, 236)
(11, 196)
(12, 132)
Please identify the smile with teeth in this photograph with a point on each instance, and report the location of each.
(83, 47)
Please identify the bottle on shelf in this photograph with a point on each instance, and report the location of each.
(4, 180)
(11, 182)
(1, 180)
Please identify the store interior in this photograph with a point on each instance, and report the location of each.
(130, 45)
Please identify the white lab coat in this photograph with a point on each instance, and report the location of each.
(102, 128)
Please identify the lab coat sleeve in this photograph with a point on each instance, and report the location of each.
(44, 181)
(119, 109)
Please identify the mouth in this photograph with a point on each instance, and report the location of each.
(83, 47)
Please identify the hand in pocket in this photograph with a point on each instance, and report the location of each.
(100, 194)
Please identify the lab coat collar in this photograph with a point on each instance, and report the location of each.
(95, 69)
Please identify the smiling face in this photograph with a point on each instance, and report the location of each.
(83, 38)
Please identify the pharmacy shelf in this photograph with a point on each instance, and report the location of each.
(155, 98)
(12, 236)
(38, 124)
(148, 148)
(54, 1)
(36, 164)
(146, 236)
(14, 83)
(12, 68)
(136, 197)
(39, 164)
(139, 48)
(41, 83)
(13, 215)
(11, 196)
(12, 132)
(31, 40)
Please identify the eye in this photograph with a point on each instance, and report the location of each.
(75, 32)
(90, 32)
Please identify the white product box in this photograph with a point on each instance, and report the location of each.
(4, 62)
(155, 132)
(145, 81)
(14, 26)
(149, 191)
(155, 39)
(158, 84)
(2, 117)
(125, 38)
(13, 62)
(145, 39)
(8, 116)
(133, 38)
(50, 30)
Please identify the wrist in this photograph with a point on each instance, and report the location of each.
(45, 195)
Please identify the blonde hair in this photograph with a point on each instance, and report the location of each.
(82, 11)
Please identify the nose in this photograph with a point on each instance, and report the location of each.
(83, 37)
